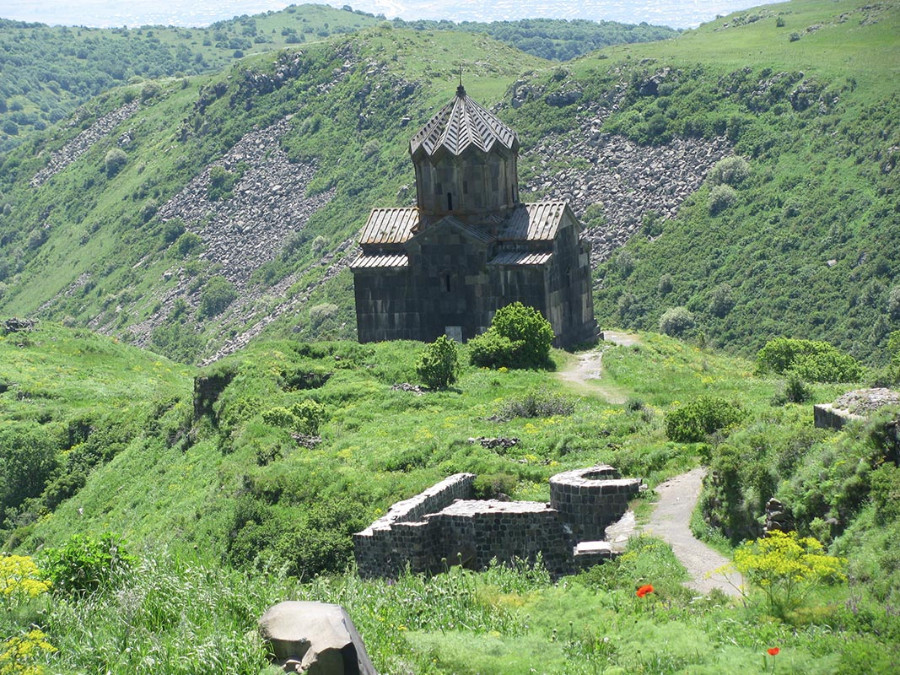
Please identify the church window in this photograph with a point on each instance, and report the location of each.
(449, 201)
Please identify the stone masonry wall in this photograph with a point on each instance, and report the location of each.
(444, 526)
(590, 499)
(472, 533)
(399, 537)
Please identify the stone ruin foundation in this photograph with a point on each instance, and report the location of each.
(445, 525)
(854, 405)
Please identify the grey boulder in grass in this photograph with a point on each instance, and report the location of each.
(315, 638)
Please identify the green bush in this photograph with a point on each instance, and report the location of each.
(494, 485)
(676, 321)
(114, 161)
(811, 360)
(692, 422)
(217, 294)
(186, 243)
(720, 198)
(221, 182)
(86, 564)
(302, 418)
(519, 337)
(729, 171)
(438, 365)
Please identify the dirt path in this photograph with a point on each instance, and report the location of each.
(586, 371)
(671, 522)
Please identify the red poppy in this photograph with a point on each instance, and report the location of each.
(643, 590)
(773, 651)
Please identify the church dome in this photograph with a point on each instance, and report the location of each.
(462, 124)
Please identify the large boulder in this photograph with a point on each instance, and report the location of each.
(315, 638)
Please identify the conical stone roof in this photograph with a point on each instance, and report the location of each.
(460, 124)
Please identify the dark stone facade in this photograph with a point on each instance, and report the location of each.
(469, 247)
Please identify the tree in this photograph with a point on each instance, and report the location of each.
(438, 365)
(720, 198)
(519, 337)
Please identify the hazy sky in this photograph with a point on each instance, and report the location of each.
(106, 13)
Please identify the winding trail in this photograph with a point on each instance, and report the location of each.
(671, 522)
(678, 496)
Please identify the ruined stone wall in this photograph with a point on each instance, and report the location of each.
(589, 500)
(443, 526)
(400, 536)
(472, 533)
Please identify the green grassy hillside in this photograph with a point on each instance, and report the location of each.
(798, 245)
(46, 71)
(224, 508)
(807, 92)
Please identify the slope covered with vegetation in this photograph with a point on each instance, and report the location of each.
(229, 500)
(46, 71)
(793, 239)
(796, 239)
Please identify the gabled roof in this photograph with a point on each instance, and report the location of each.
(461, 124)
(534, 222)
(520, 258)
(389, 226)
(380, 260)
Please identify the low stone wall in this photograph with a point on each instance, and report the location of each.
(401, 536)
(588, 500)
(474, 532)
(826, 416)
(443, 526)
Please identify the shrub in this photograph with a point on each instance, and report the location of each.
(302, 418)
(691, 422)
(494, 485)
(438, 365)
(309, 415)
(186, 243)
(624, 263)
(319, 314)
(536, 404)
(519, 337)
(86, 564)
(221, 182)
(217, 294)
(114, 161)
(665, 284)
(786, 568)
(811, 360)
(676, 321)
(729, 171)
(172, 229)
(720, 198)
(490, 350)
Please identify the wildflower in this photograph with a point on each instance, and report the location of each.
(773, 651)
(644, 590)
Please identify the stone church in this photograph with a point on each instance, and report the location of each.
(469, 246)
